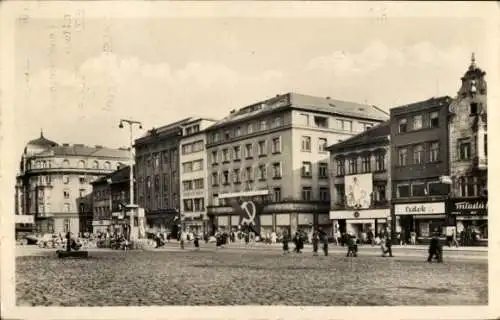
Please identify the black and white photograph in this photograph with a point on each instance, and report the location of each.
(264, 159)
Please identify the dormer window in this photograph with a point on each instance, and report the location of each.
(227, 135)
(473, 108)
(402, 126)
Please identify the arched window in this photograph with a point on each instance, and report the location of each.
(95, 165)
(107, 165)
(65, 163)
(81, 164)
(37, 165)
(461, 186)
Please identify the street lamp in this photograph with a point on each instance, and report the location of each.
(131, 124)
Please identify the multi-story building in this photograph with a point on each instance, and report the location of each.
(110, 195)
(157, 169)
(54, 183)
(268, 162)
(419, 161)
(468, 147)
(193, 174)
(360, 182)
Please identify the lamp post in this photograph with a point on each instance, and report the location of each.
(131, 124)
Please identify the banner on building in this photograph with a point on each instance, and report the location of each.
(248, 210)
(358, 189)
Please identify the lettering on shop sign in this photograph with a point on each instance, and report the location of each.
(417, 209)
(468, 205)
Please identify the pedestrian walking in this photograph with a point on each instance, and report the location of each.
(352, 247)
(285, 243)
(435, 249)
(454, 240)
(325, 244)
(315, 243)
(196, 242)
(388, 244)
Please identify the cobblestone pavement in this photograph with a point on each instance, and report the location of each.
(244, 277)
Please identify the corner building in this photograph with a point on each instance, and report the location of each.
(468, 131)
(419, 162)
(274, 154)
(54, 183)
(361, 184)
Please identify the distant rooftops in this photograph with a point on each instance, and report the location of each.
(377, 133)
(308, 103)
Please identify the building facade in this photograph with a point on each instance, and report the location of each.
(157, 168)
(194, 175)
(360, 182)
(268, 162)
(419, 161)
(110, 195)
(54, 183)
(468, 147)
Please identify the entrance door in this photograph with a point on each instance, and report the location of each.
(407, 225)
(342, 226)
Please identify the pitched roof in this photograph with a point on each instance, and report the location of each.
(305, 102)
(377, 133)
(86, 151)
(423, 104)
(118, 176)
(42, 142)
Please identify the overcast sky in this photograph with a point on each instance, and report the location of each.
(160, 70)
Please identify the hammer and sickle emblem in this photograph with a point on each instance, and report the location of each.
(250, 210)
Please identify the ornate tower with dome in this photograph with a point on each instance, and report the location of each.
(468, 147)
(53, 186)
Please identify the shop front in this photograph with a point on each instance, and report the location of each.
(359, 222)
(422, 219)
(471, 219)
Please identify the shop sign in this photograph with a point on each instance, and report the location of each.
(469, 207)
(295, 207)
(419, 208)
(360, 214)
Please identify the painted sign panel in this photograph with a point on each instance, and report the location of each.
(358, 190)
(471, 207)
(419, 208)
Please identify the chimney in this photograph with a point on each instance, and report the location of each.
(98, 146)
(232, 111)
(65, 144)
(328, 98)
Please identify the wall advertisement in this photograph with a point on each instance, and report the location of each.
(358, 190)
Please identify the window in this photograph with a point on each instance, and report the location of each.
(321, 122)
(227, 135)
(470, 186)
(402, 157)
(198, 165)
(403, 190)
(215, 179)
(236, 176)
(199, 183)
(306, 169)
(418, 189)
(67, 208)
(225, 155)
(306, 193)
(276, 122)
(324, 194)
(81, 180)
(249, 173)
(95, 165)
(340, 167)
(277, 170)
(199, 204)
(379, 162)
(276, 146)
(188, 205)
(66, 194)
(402, 126)
(353, 166)
(367, 126)
(435, 188)
(323, 170)
(306, 143)
(187, 185)
(464, 149)
(473, 108)
(65, 163)
(189, 130)
(237, 152)
(187, 148)
(417, 122)
(65, 179)
(225, 177)
(187, 167)
(263, 125)
(107, 165)
(304, 119)
(322, 144)
(214, 157)
(238, 131)
(418, 154)
(262, 148)
(345, 125)
(365, 164)
(249, 128)
(340, 194)
(262, 172)
(81, 164)
(434, 119)
(249, 150)
(277, 194)
(434, 152)
(379, 193)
